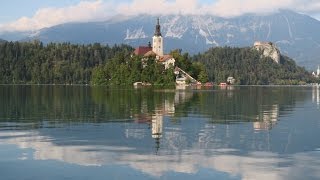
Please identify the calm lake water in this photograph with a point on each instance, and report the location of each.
(79, 132)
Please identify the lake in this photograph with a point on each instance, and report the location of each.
(82, 132)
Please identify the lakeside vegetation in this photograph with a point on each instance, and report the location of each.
(249, 67)
(55, 63)
(127, 70)
(96, 64)
(65, 63)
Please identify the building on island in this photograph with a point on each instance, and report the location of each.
(142, 50)
(316, 74)
(157, 43)
(183, 78)
(231, 80)
(167, 60)
(156, 49)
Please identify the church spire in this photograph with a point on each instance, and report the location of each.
(157, 45)
(158, 29)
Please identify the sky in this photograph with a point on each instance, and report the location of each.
(29, 15)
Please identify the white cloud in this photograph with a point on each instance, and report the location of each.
(223, 8)
(46, 17)
(229, 8)
(254, 165)
(160, 7)
(99, 10)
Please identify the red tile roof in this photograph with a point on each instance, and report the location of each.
(150, 53)
(142, 50)
(165, 58)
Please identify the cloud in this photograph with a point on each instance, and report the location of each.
(223, 8)
(100, 10)
(229, 8)
(309, 6)
(46, 17)
(254, 165)
(160, 7)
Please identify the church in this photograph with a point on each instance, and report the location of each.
(156, 49)
(316, 74)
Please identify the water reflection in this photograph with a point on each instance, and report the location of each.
(315, 95)
(267, 119)
(265, 165)
(252, 132)
(229, 90)
(59, 104)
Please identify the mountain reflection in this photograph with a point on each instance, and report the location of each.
(234, 130)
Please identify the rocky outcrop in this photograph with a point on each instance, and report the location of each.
(268, 49)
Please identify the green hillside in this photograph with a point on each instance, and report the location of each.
(55, 63)
(250, 67)
(65, 63)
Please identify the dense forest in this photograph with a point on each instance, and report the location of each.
(96, 64)
(55, 63)
(249, 67)
(65, 63)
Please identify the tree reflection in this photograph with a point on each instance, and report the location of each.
(63, 104)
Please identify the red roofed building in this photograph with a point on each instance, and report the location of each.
(167, 60)
(150, 54)
(156, 49)
(142, 50)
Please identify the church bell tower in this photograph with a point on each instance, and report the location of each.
(157, 45)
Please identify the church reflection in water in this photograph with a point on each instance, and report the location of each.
(164, 109)
(157, 126)
(315, 95)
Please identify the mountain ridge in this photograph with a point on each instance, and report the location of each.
(294, 34)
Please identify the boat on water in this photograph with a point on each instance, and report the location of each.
(139, 84)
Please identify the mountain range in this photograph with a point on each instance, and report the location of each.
(296, 35)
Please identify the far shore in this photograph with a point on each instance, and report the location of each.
(161, 86)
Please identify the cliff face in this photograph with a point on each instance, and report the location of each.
(269, 50)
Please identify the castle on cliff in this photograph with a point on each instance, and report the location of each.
(268, 49)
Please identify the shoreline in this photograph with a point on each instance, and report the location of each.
(150, 86)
